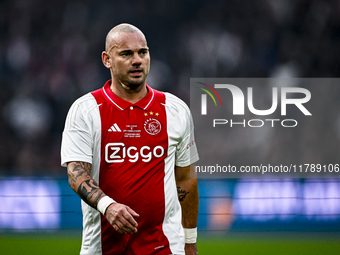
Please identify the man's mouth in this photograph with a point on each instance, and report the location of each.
(136, 72)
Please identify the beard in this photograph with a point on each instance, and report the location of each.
(131, 82)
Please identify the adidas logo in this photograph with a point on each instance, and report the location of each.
(114, 128)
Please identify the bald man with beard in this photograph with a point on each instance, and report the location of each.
(129, 152)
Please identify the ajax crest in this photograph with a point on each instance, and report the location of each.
(152, 126)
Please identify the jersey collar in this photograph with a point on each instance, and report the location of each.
(120, 104)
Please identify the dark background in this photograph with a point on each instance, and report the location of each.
(50, 55)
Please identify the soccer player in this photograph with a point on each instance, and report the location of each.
(129, 152)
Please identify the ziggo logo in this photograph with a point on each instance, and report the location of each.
(117, 152)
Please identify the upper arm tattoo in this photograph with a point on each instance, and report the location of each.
(76, 170)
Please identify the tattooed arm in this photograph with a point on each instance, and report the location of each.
(118, 215)
(186, 181)
(82, 183)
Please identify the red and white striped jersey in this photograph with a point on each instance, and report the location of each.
(133, 149)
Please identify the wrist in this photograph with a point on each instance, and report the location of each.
(104, 203)
(190, 235)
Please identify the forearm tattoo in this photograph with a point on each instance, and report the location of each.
(181, 194)
(89, 191)
(82, 183)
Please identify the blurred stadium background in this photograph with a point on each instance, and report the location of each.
(50, 55)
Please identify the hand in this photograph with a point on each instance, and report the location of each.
(121, 218)
(190, 249)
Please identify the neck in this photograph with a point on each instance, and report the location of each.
(129, 94)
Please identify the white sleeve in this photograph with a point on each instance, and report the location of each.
(186, 153)
(77, 141)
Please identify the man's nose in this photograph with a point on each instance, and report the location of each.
(136, 59)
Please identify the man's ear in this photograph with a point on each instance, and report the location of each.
(106, 59)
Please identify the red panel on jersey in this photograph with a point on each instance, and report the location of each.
(134, 145)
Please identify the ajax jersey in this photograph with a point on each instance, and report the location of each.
(133, 149)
